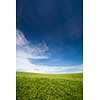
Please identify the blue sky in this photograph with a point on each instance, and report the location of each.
(49, 36)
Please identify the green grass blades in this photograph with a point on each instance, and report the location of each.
(30, 86)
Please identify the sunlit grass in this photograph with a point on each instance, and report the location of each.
(31, 86)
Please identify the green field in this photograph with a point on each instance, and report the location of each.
(31, 86)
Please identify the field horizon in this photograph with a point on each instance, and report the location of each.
(50, 73)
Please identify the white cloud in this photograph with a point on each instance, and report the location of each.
(24, 65)
(27, 50)
(20, 38)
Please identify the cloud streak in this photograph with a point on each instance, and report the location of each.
(26, 51)
(25, 65)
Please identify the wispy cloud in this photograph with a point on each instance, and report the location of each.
(26, 50)
(20, 39)
(26, 66)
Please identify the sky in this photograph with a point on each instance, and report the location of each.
(49, 36)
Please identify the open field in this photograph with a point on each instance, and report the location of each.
(31, 86)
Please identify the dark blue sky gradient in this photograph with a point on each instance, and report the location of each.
(58, 23)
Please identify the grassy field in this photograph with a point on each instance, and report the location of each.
(31, 86)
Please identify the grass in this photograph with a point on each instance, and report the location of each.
(31, 86)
